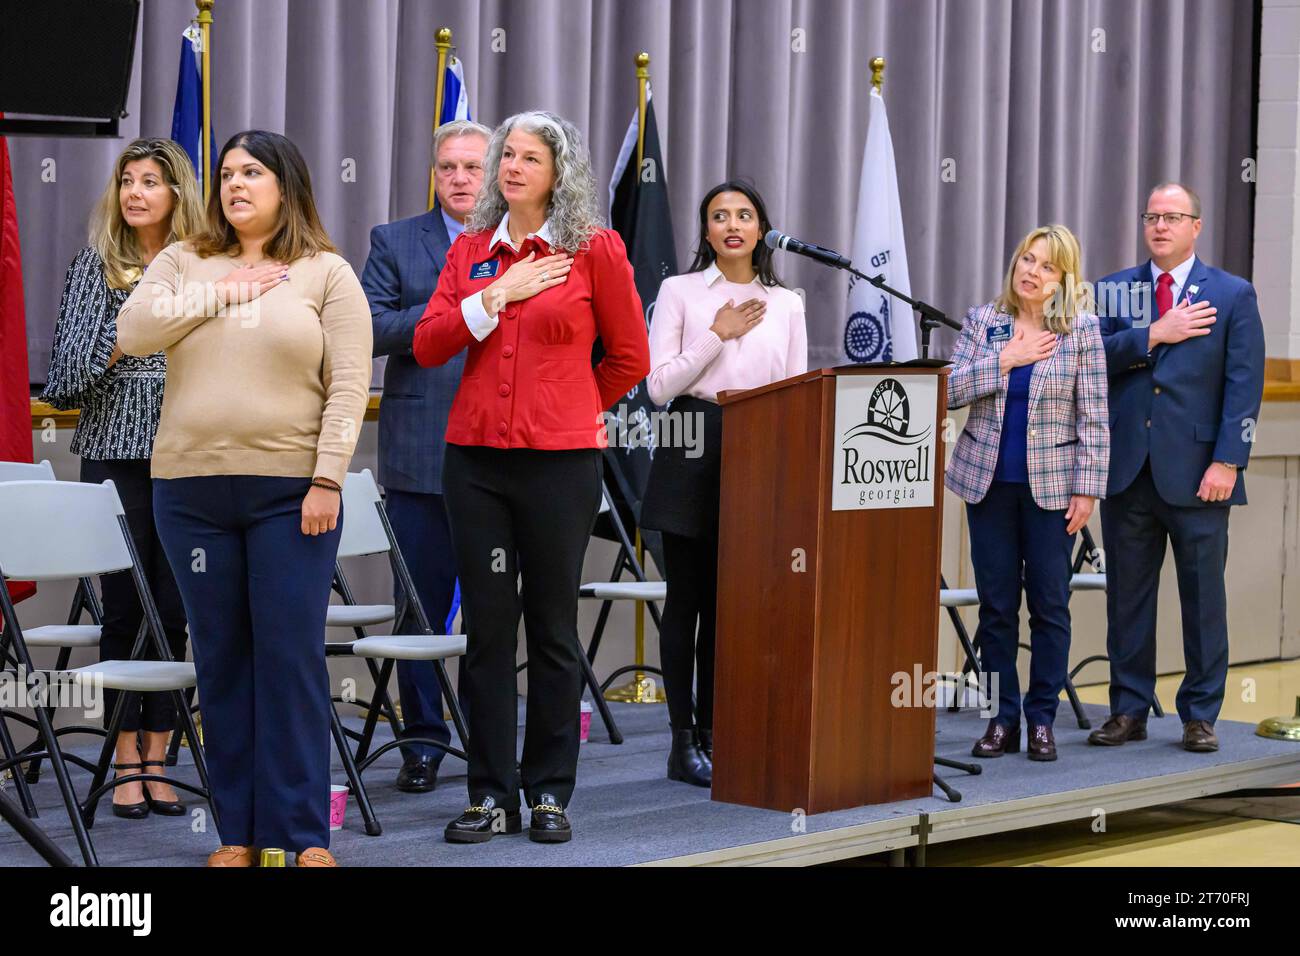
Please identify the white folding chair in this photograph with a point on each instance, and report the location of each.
(25, 471)
(366, 531)
(55, 530)
(63, 637)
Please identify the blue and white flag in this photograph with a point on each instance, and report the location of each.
(455, 97)
(187, 112)
(878, 327)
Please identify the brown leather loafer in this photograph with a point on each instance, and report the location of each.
(1041, 745)
(316, 856)
(233, 856)
(999, 739)
(1199, 737)
(1118, 729)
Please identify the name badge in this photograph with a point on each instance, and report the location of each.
(483, 270)
(999, 333)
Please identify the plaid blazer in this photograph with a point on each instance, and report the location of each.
(1068, 443)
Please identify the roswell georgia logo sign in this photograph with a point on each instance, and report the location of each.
(884, 452)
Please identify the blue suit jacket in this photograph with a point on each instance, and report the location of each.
(401, 273)
(1187, 404)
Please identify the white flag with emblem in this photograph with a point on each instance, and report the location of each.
(878, 327)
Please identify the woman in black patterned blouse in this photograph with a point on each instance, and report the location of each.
(151, 200)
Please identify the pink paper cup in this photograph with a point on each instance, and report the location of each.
(338, 805)
(584, 721)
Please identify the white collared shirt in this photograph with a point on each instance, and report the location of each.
(1180, 273)
(480, 324)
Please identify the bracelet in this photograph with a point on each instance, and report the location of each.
(318, 483)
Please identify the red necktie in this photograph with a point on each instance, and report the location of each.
(1164, 293)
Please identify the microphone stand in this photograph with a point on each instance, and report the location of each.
(930, 318)
(927, 315)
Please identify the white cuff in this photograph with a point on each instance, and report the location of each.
(479, 323)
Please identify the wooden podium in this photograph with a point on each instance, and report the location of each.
(828, 614)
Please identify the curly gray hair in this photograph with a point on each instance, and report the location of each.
(573, 209)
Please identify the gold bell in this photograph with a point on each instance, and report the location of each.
(272, 857)
(1281, 728)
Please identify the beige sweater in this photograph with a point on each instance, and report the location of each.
(277, 386)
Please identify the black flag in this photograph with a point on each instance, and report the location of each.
(639, 211)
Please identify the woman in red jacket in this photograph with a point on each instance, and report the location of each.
(528, 288)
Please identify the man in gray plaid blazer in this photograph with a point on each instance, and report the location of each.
(406, 259)
(1030, 464)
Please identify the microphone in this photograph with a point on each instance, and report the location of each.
(779, 240)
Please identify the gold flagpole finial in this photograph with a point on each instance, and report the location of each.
(642, 81)
(442, 43)
(877, 72)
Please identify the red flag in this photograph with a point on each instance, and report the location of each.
(15, 392)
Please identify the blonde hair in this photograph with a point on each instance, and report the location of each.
(114, 240)
(1072, 295)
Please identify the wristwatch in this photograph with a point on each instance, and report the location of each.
(1227, 464)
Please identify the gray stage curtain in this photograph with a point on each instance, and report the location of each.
(1039, 122)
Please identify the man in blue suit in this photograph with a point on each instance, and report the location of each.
(1185, 355)
(406, 258)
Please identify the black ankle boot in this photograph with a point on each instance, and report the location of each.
(686, 763)
(706, 741)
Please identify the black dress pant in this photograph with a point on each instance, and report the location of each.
(121, 604)
(685, 655)
(530, 511)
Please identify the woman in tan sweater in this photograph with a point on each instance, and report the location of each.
(267, 336)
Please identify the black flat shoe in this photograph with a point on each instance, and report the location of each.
(482, 821)
(687, 762)
(418, 775)
(166, 808)
(548, 823)
(130, 811)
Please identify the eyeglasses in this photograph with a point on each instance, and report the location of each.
(1170, 218)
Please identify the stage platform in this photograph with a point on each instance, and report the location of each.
(626, 812)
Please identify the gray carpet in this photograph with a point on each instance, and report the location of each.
(625, 811)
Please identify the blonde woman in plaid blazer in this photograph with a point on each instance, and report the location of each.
(1030, 465)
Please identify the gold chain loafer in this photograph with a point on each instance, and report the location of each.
(549, 824)
(481, 821)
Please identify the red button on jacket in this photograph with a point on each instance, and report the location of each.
(554, 397)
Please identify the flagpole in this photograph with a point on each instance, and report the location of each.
(877, 72)
(442, 41)
(205, 32)
(641, 689)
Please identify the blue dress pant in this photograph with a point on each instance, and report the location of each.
(420, 526)
(1013, 539)
(1137, 525)
(255, 590)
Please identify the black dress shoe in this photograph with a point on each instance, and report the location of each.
(998, 739)
(1199, 737)
(1041, 745)
(482, 821)
(549, 824)
(418, 775)
(1118, 729)
(687, 763)
(166, 808)
(130, 811)
(705, 738)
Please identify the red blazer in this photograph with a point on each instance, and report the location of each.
(530, 382)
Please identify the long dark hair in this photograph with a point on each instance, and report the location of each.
(298, 230)
(704, 254)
